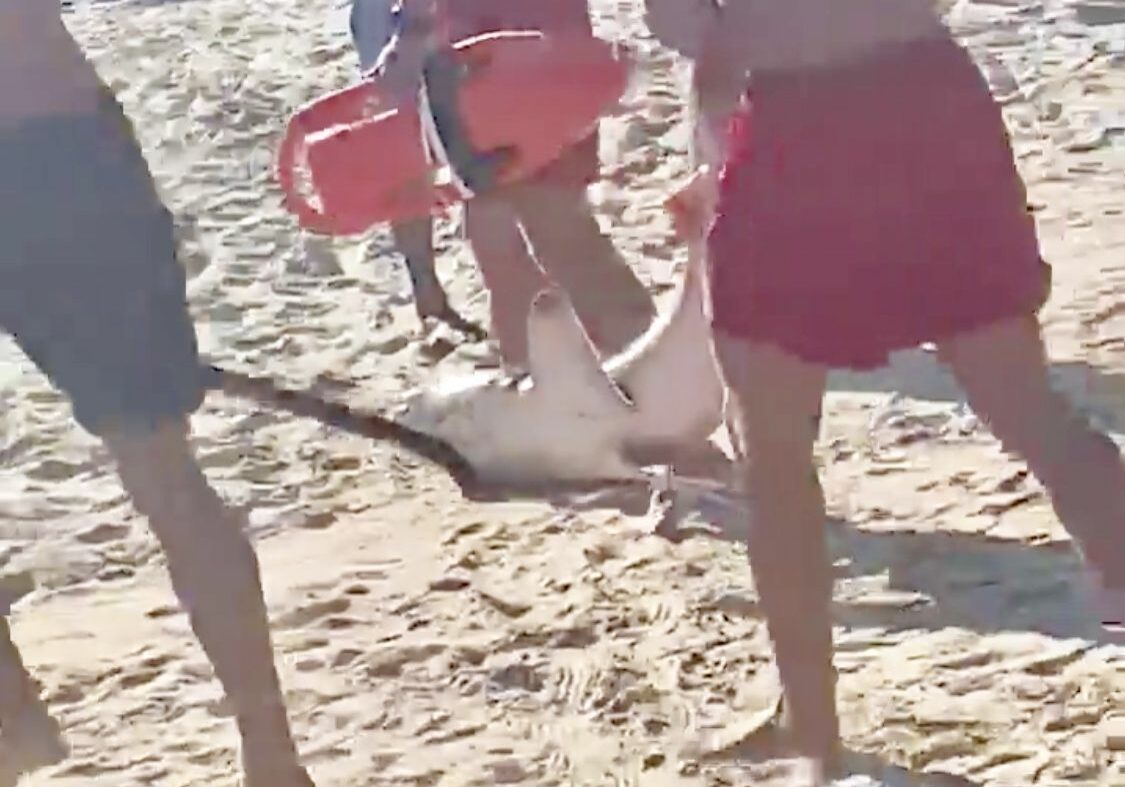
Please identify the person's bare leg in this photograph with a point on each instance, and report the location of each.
(414, 240)
(510, 274)
(613, 304)
(29, 738)
(774, 409)
(1003, 370)
(215, 575)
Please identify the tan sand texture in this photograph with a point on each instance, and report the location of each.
(426, 640)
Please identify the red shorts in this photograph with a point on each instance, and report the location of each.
(872, 206)
(580, 165)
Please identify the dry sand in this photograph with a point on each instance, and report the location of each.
(427, 641)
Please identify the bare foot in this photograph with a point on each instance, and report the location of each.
(1109, 605)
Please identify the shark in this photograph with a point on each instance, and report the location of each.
(573, 416)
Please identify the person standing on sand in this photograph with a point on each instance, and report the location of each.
(91, 290)
(868, 201)
(524, 234)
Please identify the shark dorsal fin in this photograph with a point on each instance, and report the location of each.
(563, 361)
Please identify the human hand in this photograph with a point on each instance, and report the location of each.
(693, 205)
(400, 64)
(399, 70)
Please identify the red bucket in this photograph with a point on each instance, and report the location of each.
(350, 160)
(353, 159)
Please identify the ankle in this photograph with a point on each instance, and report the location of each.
(269, 755)
(815, 736)
(821, 743)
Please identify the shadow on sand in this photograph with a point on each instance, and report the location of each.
(946, 580)
(976, 582)
(937, 579)
(917, 374)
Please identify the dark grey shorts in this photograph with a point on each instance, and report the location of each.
(90, 286)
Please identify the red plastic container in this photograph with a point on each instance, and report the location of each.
(352, 159)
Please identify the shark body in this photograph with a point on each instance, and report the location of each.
(575, 417)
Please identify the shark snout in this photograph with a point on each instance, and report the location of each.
(421, 410)
(467, 414)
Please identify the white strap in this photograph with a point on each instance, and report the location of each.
(436, 153)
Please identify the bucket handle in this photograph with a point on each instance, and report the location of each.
(308, 216)
(344, 106)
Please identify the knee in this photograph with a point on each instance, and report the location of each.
(209, 553)
(547, 197)
(774, 457)
(546, 206)
(1051, 435)
(488, 214)
(775, 437)
(153, 464)
(167, 486)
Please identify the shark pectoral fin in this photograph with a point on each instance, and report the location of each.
(563, 361)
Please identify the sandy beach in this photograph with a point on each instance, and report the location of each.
(427, 640)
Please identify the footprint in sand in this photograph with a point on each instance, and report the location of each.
(312, 612)
(516, 677)
(145, 671)
(104, 533)
(391, 661)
